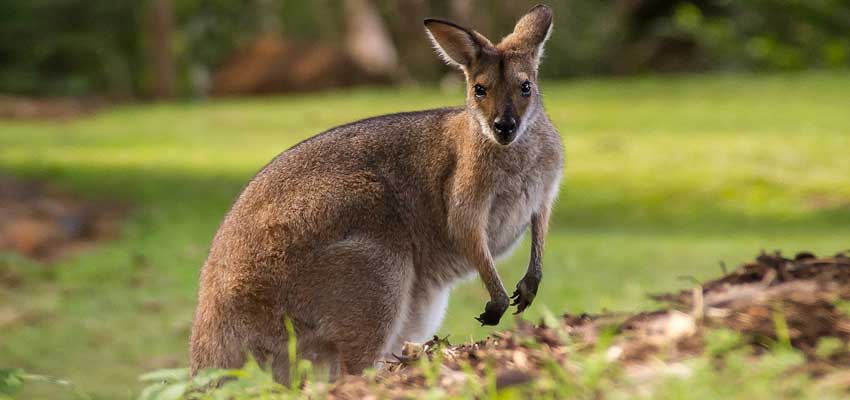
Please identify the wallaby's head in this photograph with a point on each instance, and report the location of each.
(502, 92)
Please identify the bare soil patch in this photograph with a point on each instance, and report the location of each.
(44, 223)
(769, 300)
(28, 108)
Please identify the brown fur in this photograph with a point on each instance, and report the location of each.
(357, 234)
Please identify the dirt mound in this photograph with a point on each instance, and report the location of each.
(271, 64)
(772, 300)
(43, 223)
(804, 289)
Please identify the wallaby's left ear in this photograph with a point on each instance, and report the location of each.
(531, 31)
(456, 45)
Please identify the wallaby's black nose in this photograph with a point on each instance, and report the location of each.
(504, 126)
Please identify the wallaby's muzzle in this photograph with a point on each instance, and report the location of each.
(504, 128)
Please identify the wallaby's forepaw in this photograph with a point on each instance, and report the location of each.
(493, 312)
(525, 292)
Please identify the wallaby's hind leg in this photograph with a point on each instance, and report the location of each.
(360, 310)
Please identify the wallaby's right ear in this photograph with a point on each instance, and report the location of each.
(456, 45)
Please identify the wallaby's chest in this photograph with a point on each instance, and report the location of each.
(515, 199)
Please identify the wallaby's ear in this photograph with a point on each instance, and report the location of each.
(457, 46)
(531, 31)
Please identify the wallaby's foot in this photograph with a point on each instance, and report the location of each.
(525, 292)
(493, 311)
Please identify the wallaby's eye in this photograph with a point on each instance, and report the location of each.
(479, 90)
(525, 89)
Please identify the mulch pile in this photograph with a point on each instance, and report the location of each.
(753, 300)
(44, 223)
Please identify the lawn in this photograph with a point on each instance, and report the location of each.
(665, 178)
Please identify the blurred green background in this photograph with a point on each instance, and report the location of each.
(696, 132)
(124, 48)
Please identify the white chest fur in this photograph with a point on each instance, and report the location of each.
(432, 314)
(511, 209)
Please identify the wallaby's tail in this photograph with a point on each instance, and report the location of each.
(214, 342)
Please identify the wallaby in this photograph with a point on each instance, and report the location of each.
(357, 235)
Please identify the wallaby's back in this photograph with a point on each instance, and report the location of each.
(344, 178)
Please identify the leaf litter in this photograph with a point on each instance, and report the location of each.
(44, 223)
(771, 301)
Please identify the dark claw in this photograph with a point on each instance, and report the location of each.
(526, 291)
(493, 312)
(404, 359)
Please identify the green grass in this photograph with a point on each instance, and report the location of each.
(665, 177)
(771, 370)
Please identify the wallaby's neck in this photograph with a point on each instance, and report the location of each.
(466, 135)
(479, 158)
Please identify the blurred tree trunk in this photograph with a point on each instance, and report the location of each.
(367, 40)
(268, 13)
(464, 13)
(160, 32)
(413, 47)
